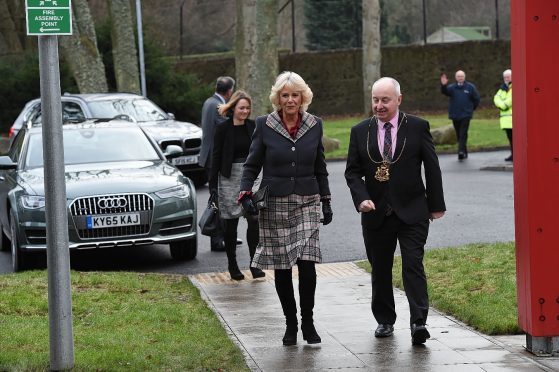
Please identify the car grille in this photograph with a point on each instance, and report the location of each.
(192, 146)
(82, 208)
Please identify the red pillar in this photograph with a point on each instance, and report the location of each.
(535, 66)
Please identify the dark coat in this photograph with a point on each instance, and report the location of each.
(404, 191)
(223, 149)
(210, 118)
(290, 166)
(463, 100)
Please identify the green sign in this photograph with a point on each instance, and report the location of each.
(49, 17)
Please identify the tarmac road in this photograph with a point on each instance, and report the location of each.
(479, 209)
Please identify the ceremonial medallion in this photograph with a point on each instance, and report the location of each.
(382, 174)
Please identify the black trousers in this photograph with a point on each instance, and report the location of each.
(380, 245)
(509, 136)
(461, 127)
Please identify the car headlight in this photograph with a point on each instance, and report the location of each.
(180, 191)
(32, 201)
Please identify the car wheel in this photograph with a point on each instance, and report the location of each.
(184, 250)
(18, 257)
(199, 179)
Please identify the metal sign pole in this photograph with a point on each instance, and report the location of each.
(58, 255)
(141, 48)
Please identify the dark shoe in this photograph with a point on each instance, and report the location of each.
(290, 336)
(257, 273)
(509, 158)
(309, 333)
(235, 273)
(218, 246)
(462, 155)
(419, 334)
(239, 241)
(384, 330)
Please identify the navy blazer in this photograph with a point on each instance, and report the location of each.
(411, 200)
(223, 149)
(290, 166)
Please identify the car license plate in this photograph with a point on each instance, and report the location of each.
(185, 160)
(112, 220)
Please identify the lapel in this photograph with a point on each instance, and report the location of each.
(373, 142)
(307, 122)
(401, 136)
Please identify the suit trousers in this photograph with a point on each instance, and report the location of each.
(461, 127)
(380, 244)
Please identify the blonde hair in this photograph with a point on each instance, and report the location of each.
(227, 109)
(293, 81)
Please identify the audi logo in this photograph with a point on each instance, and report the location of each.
(112, 202)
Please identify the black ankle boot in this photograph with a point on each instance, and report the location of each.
(257, 273)
(309, 333)
(290, 336)
(234, 271)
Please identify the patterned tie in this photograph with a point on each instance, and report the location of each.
(387, 151)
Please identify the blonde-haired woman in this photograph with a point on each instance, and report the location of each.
(231, 144)
(287, 147)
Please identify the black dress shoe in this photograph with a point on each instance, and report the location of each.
(239, 241)
(218, 246)
(462, 155)
(419, 334)
(257, 273)
(508, 158)
(384, 330)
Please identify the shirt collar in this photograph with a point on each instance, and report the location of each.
(393, 121)
(220, 97)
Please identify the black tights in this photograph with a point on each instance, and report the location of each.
(307, 287)
(230, 235)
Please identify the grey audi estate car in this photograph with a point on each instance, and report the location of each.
(157, 123)
(121, 191)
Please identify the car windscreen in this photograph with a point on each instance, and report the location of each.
(138, 109)
(95, 145)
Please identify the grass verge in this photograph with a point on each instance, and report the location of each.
(484, 131)
(475, 283)
(121, 321)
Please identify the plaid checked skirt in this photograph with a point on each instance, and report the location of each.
(228, 192)
(288, 232)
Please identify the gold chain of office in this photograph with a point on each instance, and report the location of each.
(382, 173)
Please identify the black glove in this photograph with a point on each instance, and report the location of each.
(327, 212)
(248, 205)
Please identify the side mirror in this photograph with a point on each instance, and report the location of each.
(171, 116)
(6, 163)
(172, 151)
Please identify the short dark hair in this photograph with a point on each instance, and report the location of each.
(224, 84)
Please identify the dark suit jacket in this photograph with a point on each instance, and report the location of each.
(223, 149)
(210, 118)
(404, 191)
(290, 166)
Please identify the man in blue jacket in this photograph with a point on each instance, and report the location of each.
(464, 99)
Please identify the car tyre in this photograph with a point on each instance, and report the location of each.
(184, 250)
(4, 241)
(18, 257)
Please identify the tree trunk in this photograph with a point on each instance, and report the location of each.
(8, 30)
(264, 59)
(81, 53)
(245, 42)
(124, 47)
(371, 49)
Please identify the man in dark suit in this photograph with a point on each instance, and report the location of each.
(210, 118)
(383, 173)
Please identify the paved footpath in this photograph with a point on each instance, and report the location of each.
(251, 314)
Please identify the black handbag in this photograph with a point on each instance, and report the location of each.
(260, 198)
(210, 223)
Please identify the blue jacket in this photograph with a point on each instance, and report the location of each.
(463, 100)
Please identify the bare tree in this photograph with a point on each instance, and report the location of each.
(125, 58)
(245, 41)
(81, 53)
(263, 64)
(8, 30)
(371, 49)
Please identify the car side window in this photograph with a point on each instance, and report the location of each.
(72, 111)
(15, 149)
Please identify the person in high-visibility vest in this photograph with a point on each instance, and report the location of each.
(503, 101)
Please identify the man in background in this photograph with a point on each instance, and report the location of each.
(210, 118)
(464, 99)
